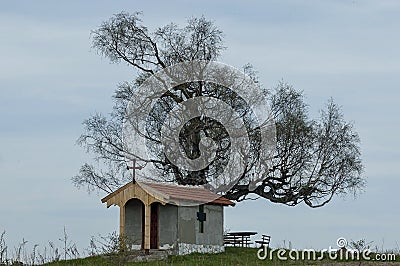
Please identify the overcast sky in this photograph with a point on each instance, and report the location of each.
(51, 80)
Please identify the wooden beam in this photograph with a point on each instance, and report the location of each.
(122, 221)
(147, 226)
(130, 191)
(109, 196)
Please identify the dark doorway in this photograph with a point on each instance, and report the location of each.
(134, 223)
(154, 226)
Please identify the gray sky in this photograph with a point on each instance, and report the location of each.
(51, 80)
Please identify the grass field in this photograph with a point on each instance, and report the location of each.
(232, 256)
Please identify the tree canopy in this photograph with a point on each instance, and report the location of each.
(314, 159)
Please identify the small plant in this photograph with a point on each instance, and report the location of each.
(287, 245)
(3, 249)
(360, 245)
(55, 255)
(18, 251)
(117, 248)
(33, 254)
(69, 248)
(93, 250)
(43, 257)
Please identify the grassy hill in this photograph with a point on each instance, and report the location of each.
(232, 256)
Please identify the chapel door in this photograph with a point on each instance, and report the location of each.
(154, 226)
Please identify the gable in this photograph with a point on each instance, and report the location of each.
(164, 193)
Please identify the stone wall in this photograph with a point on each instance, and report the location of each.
(213, 227)
(167, 224)
(189, 226)
(184, 248)
(178, 228)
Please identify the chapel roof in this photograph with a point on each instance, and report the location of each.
(167, 193)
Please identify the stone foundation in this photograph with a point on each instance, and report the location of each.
(183, 248)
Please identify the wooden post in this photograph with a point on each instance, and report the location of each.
(122, 228)
(147, 227)
(122, 221)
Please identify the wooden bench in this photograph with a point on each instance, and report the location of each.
(264, 240)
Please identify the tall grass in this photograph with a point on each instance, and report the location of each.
(52, 251)
(116, 249)
(112, 250)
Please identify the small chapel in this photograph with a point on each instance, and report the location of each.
(180, 219)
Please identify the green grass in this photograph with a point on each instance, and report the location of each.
(96, 260)
(232, 256)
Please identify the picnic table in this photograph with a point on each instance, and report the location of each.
(240, 239)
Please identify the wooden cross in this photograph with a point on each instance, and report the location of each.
(134, 167)
(201, 217)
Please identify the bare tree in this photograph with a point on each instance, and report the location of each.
(314, 160)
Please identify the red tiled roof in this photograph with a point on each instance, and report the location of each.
(190, 193)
